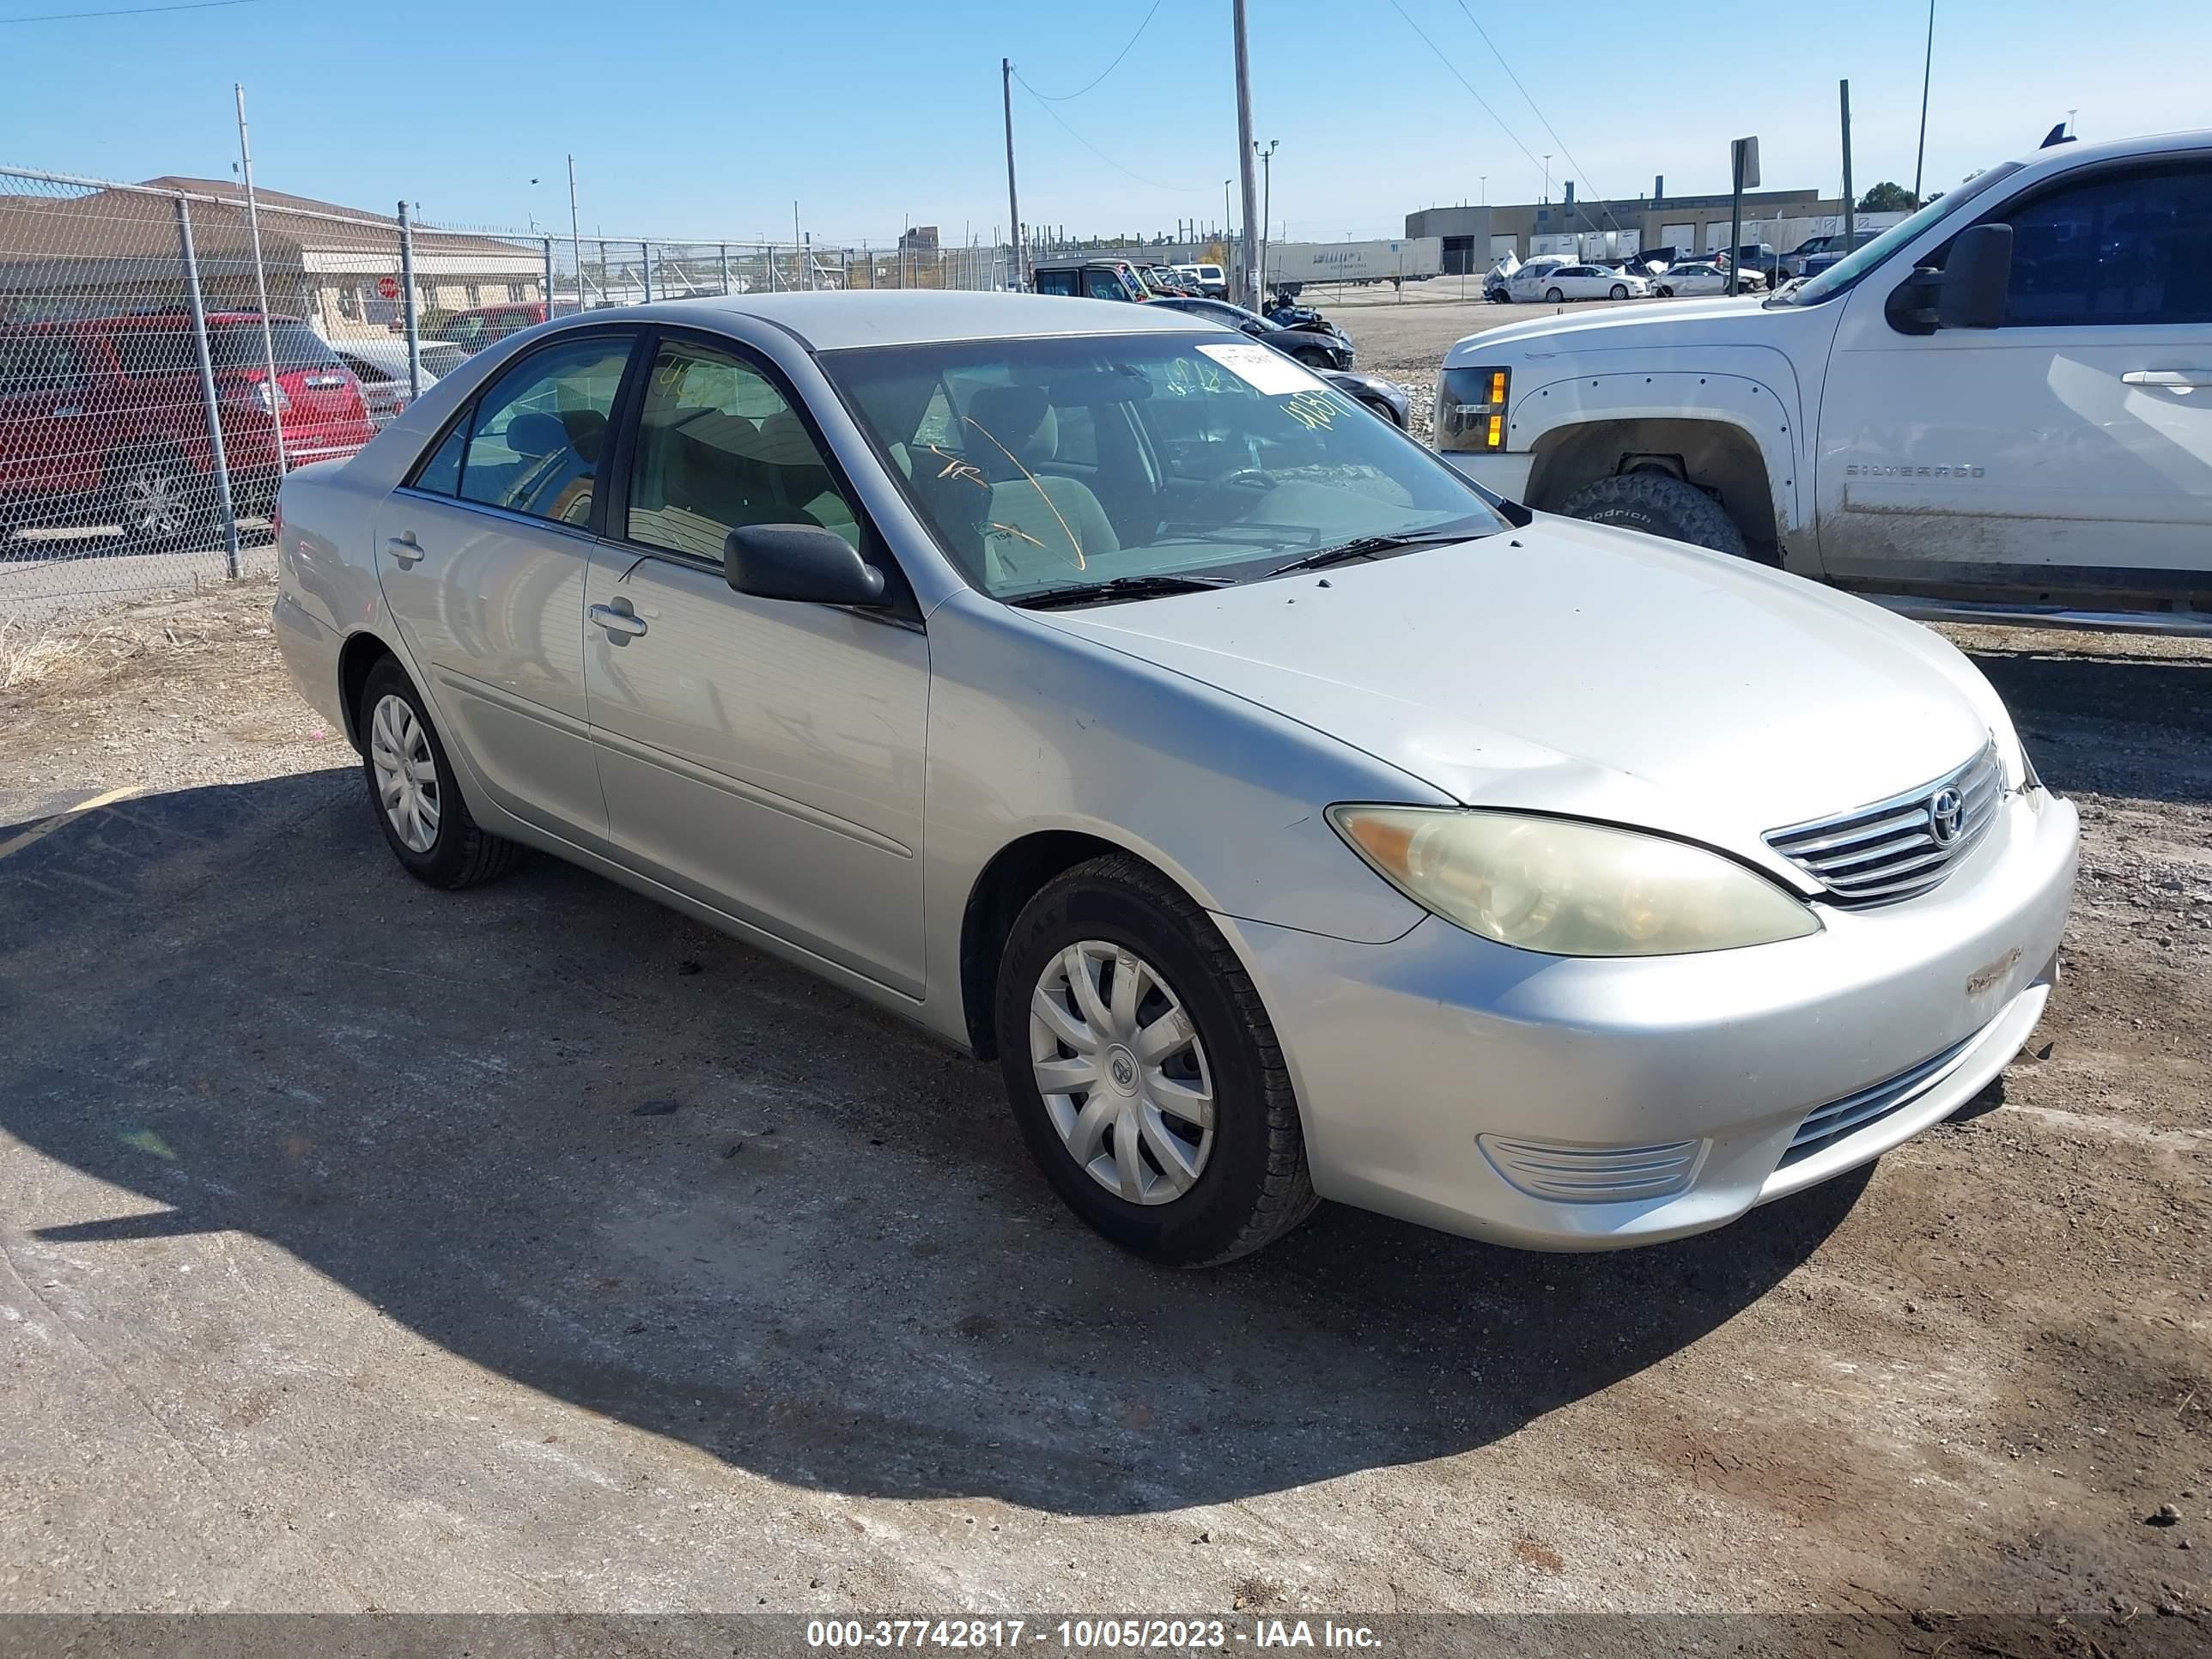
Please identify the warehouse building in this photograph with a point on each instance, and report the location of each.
(1475, 238)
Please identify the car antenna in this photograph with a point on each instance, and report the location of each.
(2058, 135)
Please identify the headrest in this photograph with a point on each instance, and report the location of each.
(537, 435)
(1016, 419)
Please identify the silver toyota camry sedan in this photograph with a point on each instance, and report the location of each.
(1114, 698)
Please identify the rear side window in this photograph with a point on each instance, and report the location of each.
(39, 363)
(1105, 285)
(533, 443)
(1055, 282)
(2124, 247)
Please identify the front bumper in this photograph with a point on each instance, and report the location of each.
(1416, 1061)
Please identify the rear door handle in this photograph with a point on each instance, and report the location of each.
(616, 622)
(2180, 380)
(405, 549)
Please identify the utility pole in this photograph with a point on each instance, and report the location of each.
(1927, 68)
(1743, 167)
(1267, 204)
(1244, 149)
(260, 280)
(1020, 273)
(1851, 202)
(575, 242)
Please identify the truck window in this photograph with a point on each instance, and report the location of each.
(1846, 271)
(2121, 247)
(1056, 282)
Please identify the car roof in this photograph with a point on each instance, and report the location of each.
(833, 321)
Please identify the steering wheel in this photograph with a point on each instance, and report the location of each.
(1243, 476)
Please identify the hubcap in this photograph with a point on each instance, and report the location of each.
(406, 775)
(153, 500)
(1124, 1077)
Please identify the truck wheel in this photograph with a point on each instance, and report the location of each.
(1658, 504)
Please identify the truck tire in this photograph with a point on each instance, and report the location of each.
(1658, 504)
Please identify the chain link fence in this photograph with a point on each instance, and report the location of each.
(169, 349)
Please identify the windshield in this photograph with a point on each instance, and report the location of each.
(1855, 265)
(1042, 464)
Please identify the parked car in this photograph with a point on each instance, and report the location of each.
(1166, 279)
(1752, 256)
(1554, 283)
(1981, 412)
(1062, 678)
(1211, 284)
(1699, 277)
(1498, 286)
(472, 331)
(1315, 348)
(380, 365)
(104, 417)
(1817, 263)
(1816, 253)
(1093, 279)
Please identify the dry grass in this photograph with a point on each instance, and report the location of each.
(91, 647)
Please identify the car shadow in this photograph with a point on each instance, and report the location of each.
(2083, 718)
(620, 1159)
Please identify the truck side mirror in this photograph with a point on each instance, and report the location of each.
(1977, 278)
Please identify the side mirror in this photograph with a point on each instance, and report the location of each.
(1976, 279)
(1252, 328)
(802, 562)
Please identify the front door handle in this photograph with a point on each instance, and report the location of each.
(2177, 379)
(617, 622)
(405, 549)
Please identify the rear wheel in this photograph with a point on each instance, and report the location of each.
(1552, 296)
(1143, 1071)
(1658, 504)
(160, 496)
(412, 785)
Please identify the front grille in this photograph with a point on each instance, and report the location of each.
(1826, 1124)
(1898, 848)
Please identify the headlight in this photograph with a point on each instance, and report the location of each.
(1571, 889)
(1471, 408)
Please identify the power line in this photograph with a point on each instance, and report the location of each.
(1046, 106)
(1531, 102)
(126, 11)
(1064, 97)
(1463, 81)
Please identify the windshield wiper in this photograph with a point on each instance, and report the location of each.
(1369, 546)
(1120, 587)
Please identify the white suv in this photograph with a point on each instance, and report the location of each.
(2005, 401)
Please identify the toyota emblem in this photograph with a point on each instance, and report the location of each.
(1947, 816)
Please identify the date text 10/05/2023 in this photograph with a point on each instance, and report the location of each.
(1091, 1635)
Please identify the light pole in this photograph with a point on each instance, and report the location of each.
(1484, 201)
(1548, 175)
(1225, 184)
(1927, 67)
(1267, 204)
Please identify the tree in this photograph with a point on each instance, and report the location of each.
(1888, 197)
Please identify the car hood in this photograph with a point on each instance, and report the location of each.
(1619, 328)
(1572, 668)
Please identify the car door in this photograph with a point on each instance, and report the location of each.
(481, 555)
(51, 429)
(761, 756)
(2069, 447)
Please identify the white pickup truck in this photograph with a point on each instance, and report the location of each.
(2002, 405)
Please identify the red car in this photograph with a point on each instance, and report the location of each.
(472, 331)
(104, 417)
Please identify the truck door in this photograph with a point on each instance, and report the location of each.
(2071, 447)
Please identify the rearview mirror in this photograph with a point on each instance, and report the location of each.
(1977, 277)
(802, 562)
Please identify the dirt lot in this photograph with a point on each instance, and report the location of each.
(535, 1249)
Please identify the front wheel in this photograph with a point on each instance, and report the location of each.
(1315, 359)
(1664, 291)
(1144, 1074)
(1658, 504)
(1618, 291)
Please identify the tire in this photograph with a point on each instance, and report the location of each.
(1384, 412)
(1552, 296)
(1664, 293)
(1250, 1184)
(457, 853)
(1658, 504)
(1315, 359)
(1618, 291)
(159, 495)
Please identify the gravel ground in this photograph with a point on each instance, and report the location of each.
(535, 1249)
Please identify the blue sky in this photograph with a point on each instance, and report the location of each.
(693, 118)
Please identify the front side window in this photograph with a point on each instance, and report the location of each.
(718, 446)
(1846, 271)
(1105, 285)
(1044, 464)
(536, 436)
(2124, 247)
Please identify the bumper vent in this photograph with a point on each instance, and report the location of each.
(1905, 845)
(1593, 1175)
(1826, 1124)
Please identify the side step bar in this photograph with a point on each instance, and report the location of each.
(2179, 624)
